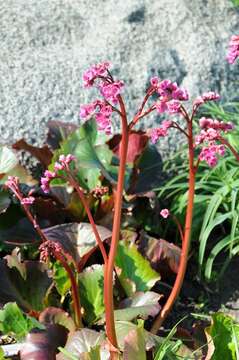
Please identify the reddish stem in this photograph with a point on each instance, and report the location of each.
(74, 289)
(225, 142)
(73, 182)
(186, 240)
(108, 280)
(180, 230)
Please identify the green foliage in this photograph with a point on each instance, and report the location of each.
(15, 323)
(215, 218)
(134, 345)
(224, 333)
(134, 272)
(91, 287)
(61, 279)
(140, 305)
(235, 2)
(93, 156)
(84, 345)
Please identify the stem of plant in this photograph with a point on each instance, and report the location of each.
(90, 217)
(74, 290)
(108, 280)
(186, 240)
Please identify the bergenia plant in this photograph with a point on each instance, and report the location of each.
(206, 146)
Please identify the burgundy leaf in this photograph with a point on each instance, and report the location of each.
(43, 344)
(137, 143)
(43, 154)
(158, 250)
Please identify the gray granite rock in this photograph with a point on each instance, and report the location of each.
(46, 44)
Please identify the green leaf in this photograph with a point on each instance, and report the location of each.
(91, 287)
(15, 323)
(225, 336)
(84, 345)
(134, 347)
(61, 279)
(134, 272)
(93, 155)
(140, 305)
(213, 254)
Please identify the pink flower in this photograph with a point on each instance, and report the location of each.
(209, 154)
(95, 71)
(233, 52)
(161, 106)
(157, 133)
(208, 96)
(28, 200)
(164, 213)
(174, 107)
(46, 179)
(154, 81)
(86, 110)
(180, 94)
(111, 91)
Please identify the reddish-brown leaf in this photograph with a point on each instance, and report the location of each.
(157, 250)
(137, 143)
(43, 154)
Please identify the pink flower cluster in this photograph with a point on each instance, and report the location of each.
(208, 96)
(12, 183)
(95, 71)
(211, 130)
(233, 52)
(170, 95)
(210, 133)
(162, 131)
(61, 164)
(49, 248)
(209, 154)
(109, 89)
(102, 113)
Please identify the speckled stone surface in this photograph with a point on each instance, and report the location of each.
(46, 44)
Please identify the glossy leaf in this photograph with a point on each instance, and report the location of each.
(91, 285)
(80, 345)
(132, 269)
(61, 279)
(134, 346)
(53, 315)
(9, 166)
(140, 305)
(78, 240)
(44, 344)
(149, 171)
(93, 156)
(29, 293)
(158, 250)
(224, 333)
(15, 323)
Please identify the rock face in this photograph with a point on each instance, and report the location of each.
(45, 46)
